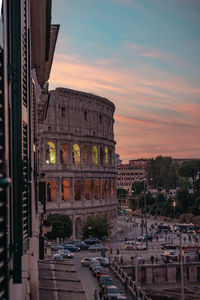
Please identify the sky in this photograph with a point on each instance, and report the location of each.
(144, 56)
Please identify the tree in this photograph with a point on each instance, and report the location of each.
(96, 227)
(61, 226)
(191, 169)
(162, 173)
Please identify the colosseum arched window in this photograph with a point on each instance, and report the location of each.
(76, 155)
(103, 189)
(94, 155)
(87, 190)
(108, 188)
(51, 153)
(106, 155)
(112, 188)
(96, 189)
(65, 190)
(64, 154)
(77, 190)
(101, 156)
(51, 191)
(86, 154)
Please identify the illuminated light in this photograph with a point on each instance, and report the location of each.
(47, 161)
(106, 155)
(52, 153)
(95, 155)
(76, 154)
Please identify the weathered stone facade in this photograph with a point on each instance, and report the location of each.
(77, 150)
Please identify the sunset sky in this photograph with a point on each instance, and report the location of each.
(144, 56)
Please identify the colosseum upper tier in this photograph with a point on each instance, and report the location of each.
(77, 156)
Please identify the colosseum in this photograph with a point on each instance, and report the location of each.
(77, 156)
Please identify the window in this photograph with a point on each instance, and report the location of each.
(96, 189)
(77, 190)
(63, 112)
(106, 155)
(85, 115)
(100, 119)
(103, 189)
(51, 153)
(65, 190)
(94, 155)
(87, 190)
(76, 154)
(51, 191)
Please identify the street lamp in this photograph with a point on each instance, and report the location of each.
(145, 211)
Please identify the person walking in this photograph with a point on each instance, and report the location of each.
(152, 259)
(156, 259)
(101, 294)
(95, 295)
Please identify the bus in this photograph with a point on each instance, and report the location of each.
(186, 228)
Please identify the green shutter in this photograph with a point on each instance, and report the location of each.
(3, 194)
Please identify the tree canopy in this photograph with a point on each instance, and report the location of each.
(191, 169)
(162, 173)
(96, 227)
(61, 226)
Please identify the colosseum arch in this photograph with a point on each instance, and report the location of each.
(106, 155)
(50, 153)
(51, 191)
(94, 155)
(112, 188)
(65, 190)
(76, 154)
(87, 189)
(77, 190)
(103, 189)
(96, 189)
(64, 154)
(107, 188)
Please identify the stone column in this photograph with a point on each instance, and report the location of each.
(72, 190)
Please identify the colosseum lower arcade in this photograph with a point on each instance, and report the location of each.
(77, 156)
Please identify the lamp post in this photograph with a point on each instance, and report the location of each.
(181, 267)
(145, 212)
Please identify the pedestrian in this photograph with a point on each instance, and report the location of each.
(95, 295)
(101, 294)
(156, 259)
(157, 238)
(126, 285)
(139, 259)
(121, 260)
(152, 259)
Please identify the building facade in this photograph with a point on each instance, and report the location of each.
(134, 171)
(26, 51)
(77, 147)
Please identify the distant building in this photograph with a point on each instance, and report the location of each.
(118, 161)
(77, 148)
(134, 171)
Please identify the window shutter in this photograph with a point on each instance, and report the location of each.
(3, 194)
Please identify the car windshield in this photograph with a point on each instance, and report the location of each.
(113, 291)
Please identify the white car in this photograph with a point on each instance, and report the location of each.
(57, 256)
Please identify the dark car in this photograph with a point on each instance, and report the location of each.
(92, 241)
(111, 291)
(65, 253)
(97, 248)
(167, 246)
(103, 278)
(71, 248)
(143, 238)
(82, 245)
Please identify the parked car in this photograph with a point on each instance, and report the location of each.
(71, 248)
(111, 292)
(92, 241)
(103, 261)
(96, 270)
(57, 256)
(81, 245)
(107, 283)
(142, 238)
(121, 297)
(56, 247)
(65, 253)
(166, 245)
(94, 263)
(85, 262)
(141, 247)
(97, 248)
(104, 278)
(170, 256)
